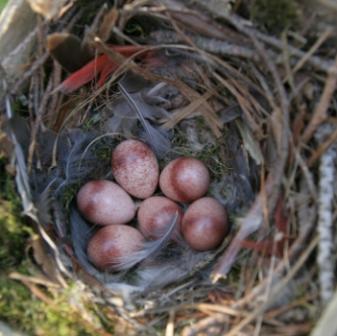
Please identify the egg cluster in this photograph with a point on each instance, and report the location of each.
(135, 168)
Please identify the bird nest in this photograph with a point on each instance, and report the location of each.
(196, 81)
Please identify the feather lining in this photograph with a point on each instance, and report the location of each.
(155, 137)
(150, 249)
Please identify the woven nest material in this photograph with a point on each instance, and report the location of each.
(194, 81)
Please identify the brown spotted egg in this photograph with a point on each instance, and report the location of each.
(104, 202)
(135, 168)
(112, 244)
(205, 224)
(156, 214)
(184, 179)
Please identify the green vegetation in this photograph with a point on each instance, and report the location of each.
(275, 16)
(18, 306)
(21, 309)
(14, 233)
(2, 4)
(209, 153)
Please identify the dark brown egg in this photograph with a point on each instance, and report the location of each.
(112, 243)
(156, 214)
(184, 179)
(104, 202)
(135, 168)
(205, 224)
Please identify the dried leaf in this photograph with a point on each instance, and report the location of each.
(48, 8)
(187, 111)
(86, 74)
(103, 65)
(250, 143)
(68, 51)
(46, 261)
(108, 22)
(276, 126)
(270, 247)
(6, 146)
(17, 39)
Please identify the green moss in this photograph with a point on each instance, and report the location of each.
(92, 122)
(14, 233)
(69, 194)
(275, 16)
(13, 236)
(209, 154)
(23, 311)
(3, 4)
(104, 152)
(18, 306)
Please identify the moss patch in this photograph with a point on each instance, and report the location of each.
(23, 311)
(14, 233)
(18, 306)
(275, 16)
(2, 4)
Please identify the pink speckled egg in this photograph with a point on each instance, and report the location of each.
(184, 179)
(156, 214)
(135, 168)
(104, 202)
(112, 243)
(205, 224)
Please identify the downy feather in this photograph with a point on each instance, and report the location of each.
(155, 137)
(150, 249)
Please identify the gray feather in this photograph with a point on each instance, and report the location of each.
(175, 268)
(155, 137)
(150, 249)
(81, 232)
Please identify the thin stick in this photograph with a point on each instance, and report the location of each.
(317, 62)
(325, 230)
(276, 291)
(322, 148)
(204, 324)
(327, 324)
(310, 52)
(254, 219)
(36, 66)
(212, 45)
(321, 110)
(170, 324)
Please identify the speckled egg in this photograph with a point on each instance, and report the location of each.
(135, 168)
(104, 202)
(113, 243)
(205, 224)
(156, 214)
(184, 179)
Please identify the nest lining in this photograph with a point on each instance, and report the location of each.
(77, 152)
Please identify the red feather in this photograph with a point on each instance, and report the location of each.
(84, 75)
(101, 65)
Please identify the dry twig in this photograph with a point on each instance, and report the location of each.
(325, 262)
(320, 113)
(327, 324)
(255, 217)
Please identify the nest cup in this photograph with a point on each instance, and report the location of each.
(83, 153)
(182, 94)
(169, 106)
